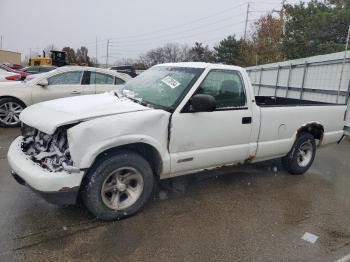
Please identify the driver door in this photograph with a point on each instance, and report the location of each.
(200, 140)
(61, 85)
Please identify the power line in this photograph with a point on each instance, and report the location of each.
(179, 34)
(135, 39)
(171, 34)
(177, 25)
(269, 3)
(183, 31)
(181, 37)
(185, 24)
(254, 10)
(130, 52)
(152, 41)
(137, 51)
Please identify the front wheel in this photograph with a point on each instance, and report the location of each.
(300, 158)
(118, 186)
(9, 112)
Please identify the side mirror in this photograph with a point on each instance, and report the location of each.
(43, 82)
(202, 103)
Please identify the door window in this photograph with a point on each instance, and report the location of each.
(33, 70)
(101, 79)
(45, 69)
(226, 87)
(119, 81)
(67, 78)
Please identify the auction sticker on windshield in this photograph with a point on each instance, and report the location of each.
(171, 82)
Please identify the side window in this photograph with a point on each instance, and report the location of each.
(226, 87)
(67, 78)
(101, 79)
(45, 69)
(119, 81)
(34, 69)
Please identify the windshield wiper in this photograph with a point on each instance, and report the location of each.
(148, 104)
(143, 102)
(137, 100)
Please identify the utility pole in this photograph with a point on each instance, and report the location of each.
(96, 53)
(281, 13)
(246, 22)
(1, 42)
(107, 52)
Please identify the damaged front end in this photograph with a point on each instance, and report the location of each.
(51, 152)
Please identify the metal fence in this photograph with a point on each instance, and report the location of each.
(324, 78)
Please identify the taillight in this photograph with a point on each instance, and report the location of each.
(14, 77)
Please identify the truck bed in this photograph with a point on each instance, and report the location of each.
(273, 101)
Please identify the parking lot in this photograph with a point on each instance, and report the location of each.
(246, 213)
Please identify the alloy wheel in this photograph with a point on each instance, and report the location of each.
(9, 113)
(122, 188)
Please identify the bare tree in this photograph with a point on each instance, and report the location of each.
(70, 54)
(82, 56)
(171, 52)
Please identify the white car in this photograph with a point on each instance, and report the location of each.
(171, 120)
(61, 82)
(4, 75)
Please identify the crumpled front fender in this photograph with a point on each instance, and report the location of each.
(89, 139)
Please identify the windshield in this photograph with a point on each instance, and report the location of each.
(162, 86)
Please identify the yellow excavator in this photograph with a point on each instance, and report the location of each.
(57, 58)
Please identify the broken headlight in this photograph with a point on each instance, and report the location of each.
(49, 151)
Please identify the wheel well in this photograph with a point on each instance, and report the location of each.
(315, 129)
(147, 151)
(15, 98)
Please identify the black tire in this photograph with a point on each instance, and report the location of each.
(8, 100)
(293, 162)
(96, 178)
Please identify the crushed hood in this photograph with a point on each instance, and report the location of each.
(50, 115)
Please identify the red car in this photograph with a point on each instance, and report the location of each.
(22, 74)
(15, 66)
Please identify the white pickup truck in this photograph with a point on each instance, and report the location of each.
(173, 119)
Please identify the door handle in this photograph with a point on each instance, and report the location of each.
(246, 120)
(75, 92)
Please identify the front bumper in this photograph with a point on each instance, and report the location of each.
(56, 187)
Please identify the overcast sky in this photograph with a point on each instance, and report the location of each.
(134, 26)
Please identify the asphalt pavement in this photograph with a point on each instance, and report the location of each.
(256, 212)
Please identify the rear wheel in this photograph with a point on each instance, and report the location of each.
(10, 109)
(300, 158)
(118, 186)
